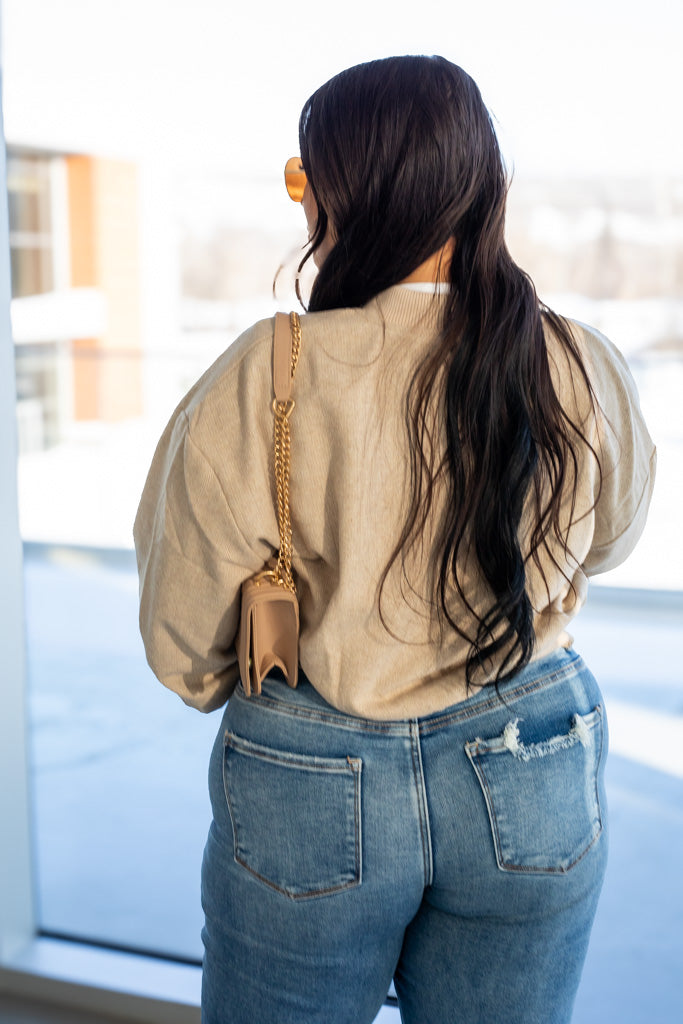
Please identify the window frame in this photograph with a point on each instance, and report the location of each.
(61, 972)
(39, 240)
(79, 976)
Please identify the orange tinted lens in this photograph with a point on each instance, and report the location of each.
(295, 178)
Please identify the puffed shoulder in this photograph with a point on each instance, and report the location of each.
(249, 353)
(626, 453)
(604, 360)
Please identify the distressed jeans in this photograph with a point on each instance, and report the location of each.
(461, 854)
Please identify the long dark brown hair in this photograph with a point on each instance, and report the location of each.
(402, 156)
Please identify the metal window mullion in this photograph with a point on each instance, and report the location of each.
(17, 918)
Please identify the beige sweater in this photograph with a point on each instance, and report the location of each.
(207, 517)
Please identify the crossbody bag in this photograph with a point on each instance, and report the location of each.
(268, 634)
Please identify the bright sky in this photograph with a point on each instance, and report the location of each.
(591, 87)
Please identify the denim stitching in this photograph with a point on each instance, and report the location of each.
(355, 765)
(308, 895)
(489, 807)
(423, 813)
(494, 703)
(597, 772)
(300, 762)
(429, 723)
(478, 747)
(335, 718)
(528, 869)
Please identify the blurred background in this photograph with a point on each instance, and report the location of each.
(148, 219)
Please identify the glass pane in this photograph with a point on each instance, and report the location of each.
(121, 808)
(609, 254)
(28, 188)
(118, 763)
(31, 270)
(24, 207)
(151, 261)
(29, 200)
(39, 399)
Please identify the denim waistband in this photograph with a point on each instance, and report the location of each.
(306, 702)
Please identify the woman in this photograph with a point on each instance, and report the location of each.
(427, 805)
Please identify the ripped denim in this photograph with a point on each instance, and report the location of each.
(461, 854)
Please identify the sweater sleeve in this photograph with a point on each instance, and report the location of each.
(627, 457)
(192, 559)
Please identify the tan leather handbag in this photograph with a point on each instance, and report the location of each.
(268, 635)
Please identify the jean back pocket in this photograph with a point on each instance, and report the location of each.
(542, 797)
(296, 818)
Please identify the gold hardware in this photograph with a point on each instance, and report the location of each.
(282, 574)
(267, 574)
(283, 408)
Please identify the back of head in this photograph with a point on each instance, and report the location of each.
(401, 156)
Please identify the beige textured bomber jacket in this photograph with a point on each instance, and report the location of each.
(207, 517)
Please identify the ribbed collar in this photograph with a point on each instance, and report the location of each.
(405, 305)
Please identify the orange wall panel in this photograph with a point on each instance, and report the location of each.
(105, 254)
(80, 190)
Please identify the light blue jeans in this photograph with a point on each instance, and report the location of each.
(461, 854)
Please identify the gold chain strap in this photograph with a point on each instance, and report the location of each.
(282, 444)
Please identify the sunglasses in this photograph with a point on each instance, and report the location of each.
(295, 178)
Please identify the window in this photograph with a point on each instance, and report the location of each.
(30, 225)
(147, 220)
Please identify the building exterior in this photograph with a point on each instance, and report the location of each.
(76, 291)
